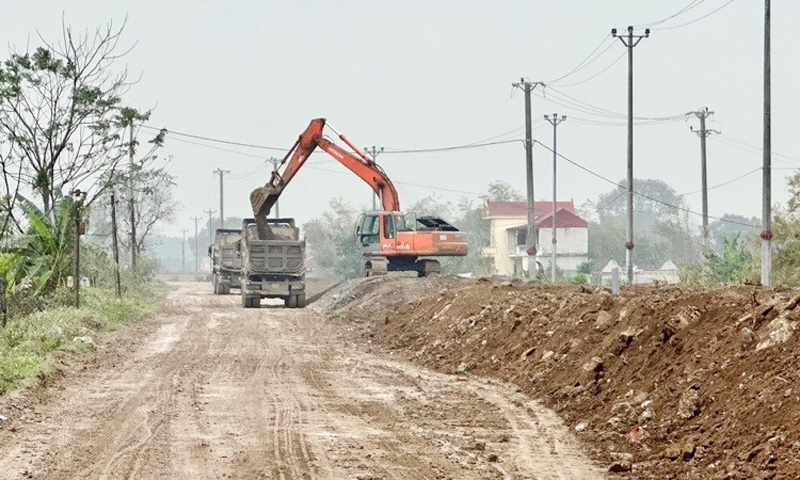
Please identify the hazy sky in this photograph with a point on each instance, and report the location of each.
(423, 74)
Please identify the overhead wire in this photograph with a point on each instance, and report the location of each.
(620, 57)
(728, 182)
(697, 19)
(215, 140)
(586, 61)
(606, 179)
(430, 187)
(691, 5)
(568, 101)
(451, 148)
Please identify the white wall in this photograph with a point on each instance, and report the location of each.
(572, 247)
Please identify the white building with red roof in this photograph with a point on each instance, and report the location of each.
(508, 226)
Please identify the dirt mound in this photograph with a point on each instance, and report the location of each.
(662, 381)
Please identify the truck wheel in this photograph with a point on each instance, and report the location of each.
(291, 301)
(301, 300)
(215, 284)
(245, 300)
(226, 289)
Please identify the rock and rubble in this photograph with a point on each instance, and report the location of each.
(662, 381)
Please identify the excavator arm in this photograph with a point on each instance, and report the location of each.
(262, 199)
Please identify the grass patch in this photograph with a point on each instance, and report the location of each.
(28, 342)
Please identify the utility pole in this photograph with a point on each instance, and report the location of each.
(115, 245)
(766, 234)
(530, 238)
(554, 121)
(374, 154)
(131, 202)
(221, 173)
(210, 233)
(275, 164)
(630, 41)
(78, 197)
(196, 246)
(183, 252)
(703, 133)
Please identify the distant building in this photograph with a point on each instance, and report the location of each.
(508, 226)
(668, 273)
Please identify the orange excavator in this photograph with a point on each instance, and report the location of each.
(389, 239)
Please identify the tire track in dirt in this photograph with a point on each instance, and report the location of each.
(206, 389)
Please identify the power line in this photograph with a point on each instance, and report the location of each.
(643, 195)
(728, 182)
(402, 183)
(752, 149)
(596, 74)
(580, 105)
(697, 19)
(586, 61)
(691, 5)
(447, 149)
(216, 140)
(260, 157)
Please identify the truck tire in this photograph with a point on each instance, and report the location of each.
(245, 299)
(214, 282)
(226, 289)
(291, 301)
(301, 300)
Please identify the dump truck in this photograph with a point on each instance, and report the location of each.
(226, 261)
(273, 263)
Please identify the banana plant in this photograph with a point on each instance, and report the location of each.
(48, 244)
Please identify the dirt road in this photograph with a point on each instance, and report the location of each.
(207, 389)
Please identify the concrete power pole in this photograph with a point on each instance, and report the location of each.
(183, 252)
(79, 197)
(221, 173)
(115, 246)
(630, 41)
(374, 154)
(131, 202)
(703, 133)
(196, 246)
(766, 213)
(275, 164)
(210, 232)
(554, 121)
(530, 238)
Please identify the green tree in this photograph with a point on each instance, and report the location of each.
(731, 265)
(62, 117)
(500, 191)
(729, 225)
(331, 241)
(662, 229)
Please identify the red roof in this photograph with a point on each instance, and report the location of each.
(520, 209)
(565, 218)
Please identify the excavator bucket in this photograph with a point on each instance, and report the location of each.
(262, 199)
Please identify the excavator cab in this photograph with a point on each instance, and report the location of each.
(368, 231)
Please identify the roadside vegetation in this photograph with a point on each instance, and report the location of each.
(28, 343)
(70, 152)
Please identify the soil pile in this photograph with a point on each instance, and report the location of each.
(660, 382)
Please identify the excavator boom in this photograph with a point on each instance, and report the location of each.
(262, 199)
